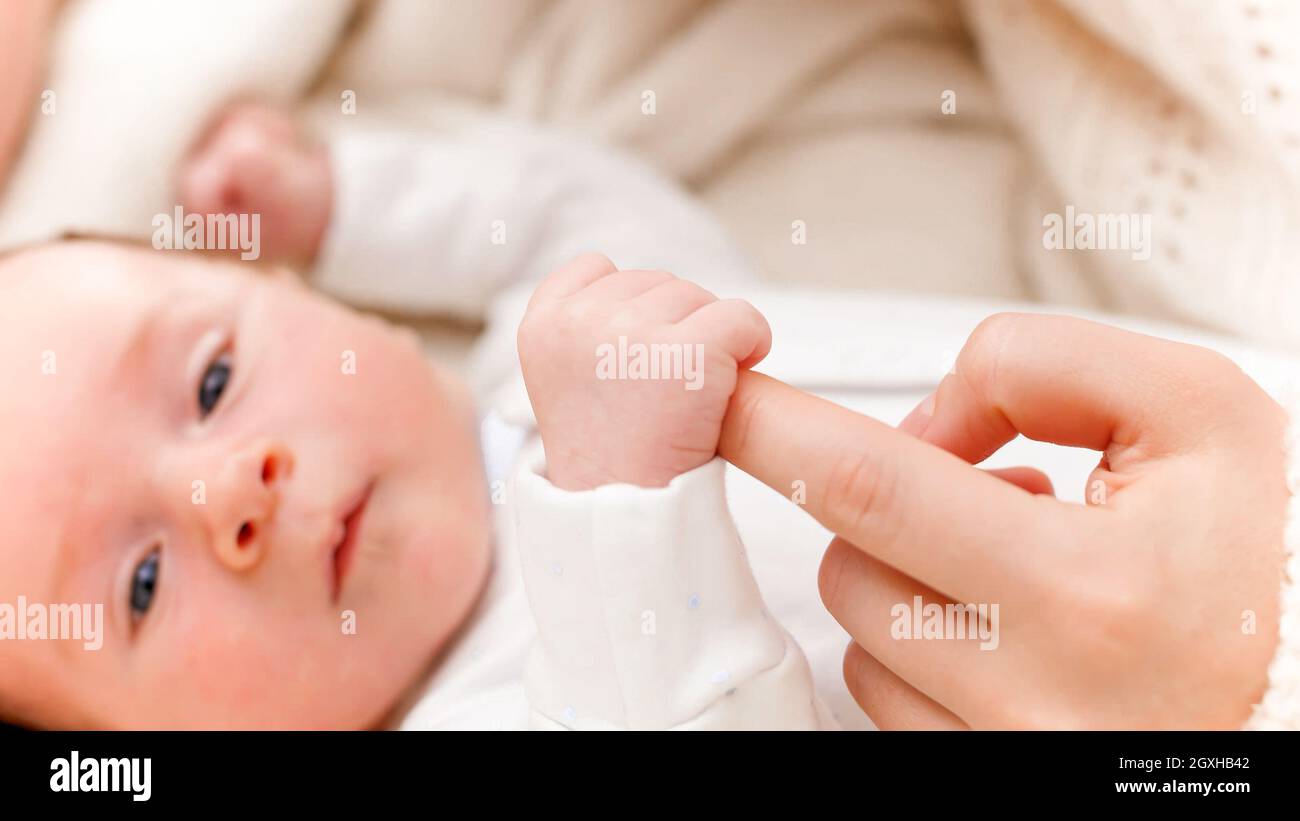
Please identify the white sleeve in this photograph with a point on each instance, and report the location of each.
(441, 224)
(648, 616)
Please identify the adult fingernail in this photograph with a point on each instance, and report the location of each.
(918, 420)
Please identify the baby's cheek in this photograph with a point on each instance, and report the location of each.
(225, 658)
(393, 389)
(226, 674)
(216, 647)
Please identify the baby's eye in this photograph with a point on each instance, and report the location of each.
(143, 582)
(213, 384)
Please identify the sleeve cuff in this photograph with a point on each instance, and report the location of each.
(358, 167)
(647, 611)
(410, 225)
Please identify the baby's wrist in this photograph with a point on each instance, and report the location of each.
(576, 472)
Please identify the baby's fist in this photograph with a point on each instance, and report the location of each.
(630, 372)
(253, 161)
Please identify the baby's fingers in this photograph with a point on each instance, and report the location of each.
(623, 286)
(671, 301)
(572, 277)
(734, 326)
(214, 176)
(206, 184)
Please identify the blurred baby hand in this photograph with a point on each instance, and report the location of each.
(630, 372)
(255, 161)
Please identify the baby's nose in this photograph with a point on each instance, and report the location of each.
(251, 485)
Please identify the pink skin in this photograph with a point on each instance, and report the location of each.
(254, 160)
(644, 432)
(99, 468)
(25, 31)
(1133, 611)
(1126, 614)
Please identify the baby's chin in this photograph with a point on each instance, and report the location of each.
(442, 551)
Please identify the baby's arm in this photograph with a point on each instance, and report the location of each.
(442, 223)
(647, 612)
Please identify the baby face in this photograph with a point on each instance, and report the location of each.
(277, 501)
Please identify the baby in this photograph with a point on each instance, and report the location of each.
(185, 448)
(282, 505)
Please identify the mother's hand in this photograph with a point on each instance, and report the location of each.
(1155, 605)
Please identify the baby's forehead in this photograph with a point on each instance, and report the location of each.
(54, 252)
(83, 261)
(118, 262)
(71, 302)
(89, 290)
(72, 311)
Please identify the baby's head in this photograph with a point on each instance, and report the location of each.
(187, 443)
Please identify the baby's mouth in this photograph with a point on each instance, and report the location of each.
(346, 547)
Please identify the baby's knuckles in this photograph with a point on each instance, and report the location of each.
(549, 336)
(583, 418)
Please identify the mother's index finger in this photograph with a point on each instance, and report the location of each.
(909, 504)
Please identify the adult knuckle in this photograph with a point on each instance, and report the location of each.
(1209, 384)
(830, 572)
(748, 415)
(981, 356)
(854, 668)
(860, 495)
(1219, 365)
(1107, 611)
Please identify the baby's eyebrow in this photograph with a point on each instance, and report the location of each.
(65, 552)
(139, 339)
